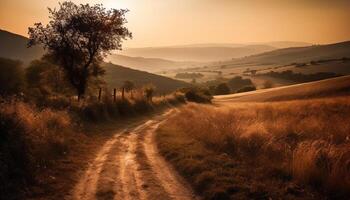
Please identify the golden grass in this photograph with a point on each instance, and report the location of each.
(31, 140)
(33, 137)
(306, 140)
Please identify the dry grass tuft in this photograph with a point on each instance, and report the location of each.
(274, 144)
(31, 140)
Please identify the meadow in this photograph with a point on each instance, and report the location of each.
(296, 149)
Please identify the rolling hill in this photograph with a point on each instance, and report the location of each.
(14, 46)
(325, 88)
(287, 44)
(198, 53)
(149, 64)
(116, 75)
(299, 54)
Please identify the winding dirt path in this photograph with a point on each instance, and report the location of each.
(128, 167)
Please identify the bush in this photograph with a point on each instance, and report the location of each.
(238, 82)
(267, 84)
(197, 95)
(246, 89)
(30, 141)
(91, 110)
(222, 89)
(11, 77)
(44, 81)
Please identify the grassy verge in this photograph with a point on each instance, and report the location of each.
(295, 150)
(38, 141)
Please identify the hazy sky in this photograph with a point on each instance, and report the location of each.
(170, 22)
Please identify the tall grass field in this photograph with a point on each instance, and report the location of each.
(292, 149)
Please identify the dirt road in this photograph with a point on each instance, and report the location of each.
(129, 167)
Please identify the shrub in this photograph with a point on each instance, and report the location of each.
(197, 95)
(222, 89)
(149, 91)
(267, 84)
(238, 82)
(11, 77)
(246, 89)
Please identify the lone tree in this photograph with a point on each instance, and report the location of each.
(78, 37)
(129, 86)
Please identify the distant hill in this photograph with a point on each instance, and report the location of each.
(116, 75)
(275, 44)
(149, 64)
(286, 44)
(298, 54)
(339, 86)
(14, 46)
(197, 54)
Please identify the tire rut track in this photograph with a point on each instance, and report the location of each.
(174, 185)
(128, 167)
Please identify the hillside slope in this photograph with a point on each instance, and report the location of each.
(330, 87)
(197, 54)
(148, 64)
(14, 46)
(299, 54)
(116, 75)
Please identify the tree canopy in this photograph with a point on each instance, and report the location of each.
(78, 37)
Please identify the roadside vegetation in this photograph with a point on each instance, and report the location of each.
(46, 107)
(293, 149)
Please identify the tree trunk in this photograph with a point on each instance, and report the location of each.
(81, 91)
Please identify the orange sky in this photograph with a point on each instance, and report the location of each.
(171, 22)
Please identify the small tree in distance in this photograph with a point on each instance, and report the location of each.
(78, 37)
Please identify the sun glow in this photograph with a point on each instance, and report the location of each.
(161, 23)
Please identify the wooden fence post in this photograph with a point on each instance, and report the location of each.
(123, 93)
(99, 94)
(115, 95)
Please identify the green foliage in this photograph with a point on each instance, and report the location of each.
(11, 77)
